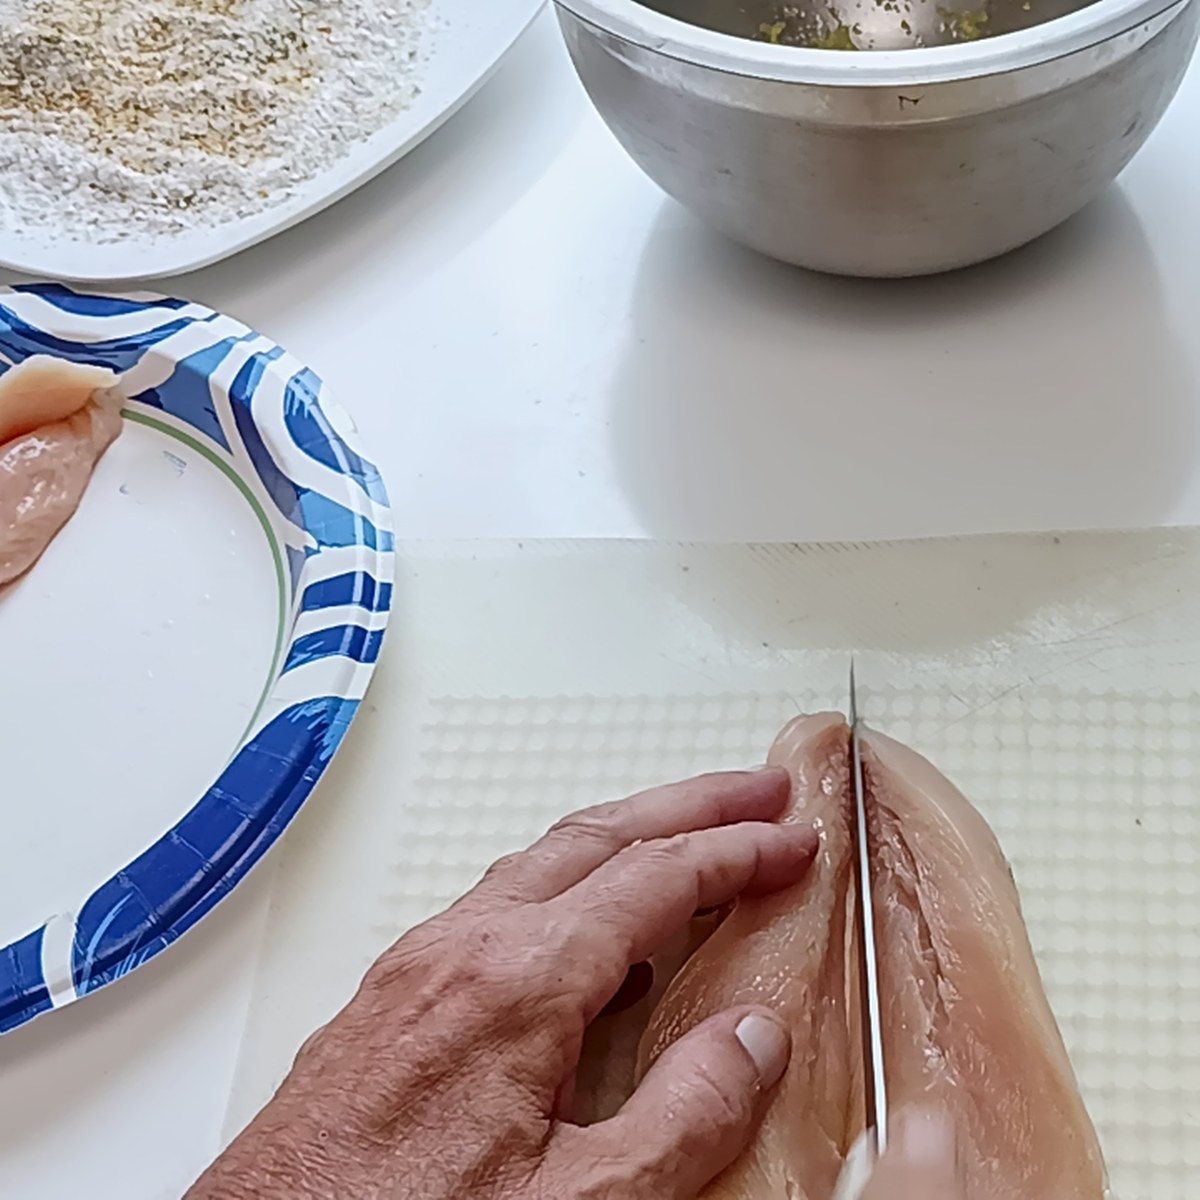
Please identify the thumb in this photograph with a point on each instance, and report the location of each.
(699, 1105)
(921, 1162)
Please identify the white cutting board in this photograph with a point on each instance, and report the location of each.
(1057, 680)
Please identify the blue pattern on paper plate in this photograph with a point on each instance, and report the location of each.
(264, 416)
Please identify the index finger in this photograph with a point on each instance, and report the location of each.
(628, 907)
(585, 840)
(921, 1162)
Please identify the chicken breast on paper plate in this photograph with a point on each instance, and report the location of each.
(56, 419)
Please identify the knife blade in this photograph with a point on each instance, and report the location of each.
(875, 1084)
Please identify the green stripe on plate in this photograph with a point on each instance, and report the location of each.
(207, 453)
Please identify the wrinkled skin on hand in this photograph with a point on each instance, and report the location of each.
(451, 1074)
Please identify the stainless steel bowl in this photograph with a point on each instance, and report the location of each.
(866, 24)
(889, 161)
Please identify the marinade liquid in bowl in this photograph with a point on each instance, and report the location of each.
(865, 24)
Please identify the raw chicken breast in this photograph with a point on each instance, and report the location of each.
(56, 420)
(789, 951)
(41, 390)
(966, 1020)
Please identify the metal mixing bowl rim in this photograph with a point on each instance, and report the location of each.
(1086, 27)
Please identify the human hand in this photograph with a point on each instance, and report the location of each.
(449, 1076)
(921, 1162)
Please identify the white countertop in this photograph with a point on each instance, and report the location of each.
(536, 343)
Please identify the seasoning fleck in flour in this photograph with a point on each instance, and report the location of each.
(149, 117)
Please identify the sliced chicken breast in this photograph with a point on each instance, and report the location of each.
(56, 420)
(788, 951)
(967, 1025)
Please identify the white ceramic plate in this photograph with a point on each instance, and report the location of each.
(466, 42)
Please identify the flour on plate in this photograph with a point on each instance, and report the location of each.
(151, 117)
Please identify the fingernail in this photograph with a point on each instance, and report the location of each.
(927, 1141)
(768, 1044)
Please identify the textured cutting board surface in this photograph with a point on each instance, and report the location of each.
(1055, 679)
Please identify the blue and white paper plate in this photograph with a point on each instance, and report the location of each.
(208, 395)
